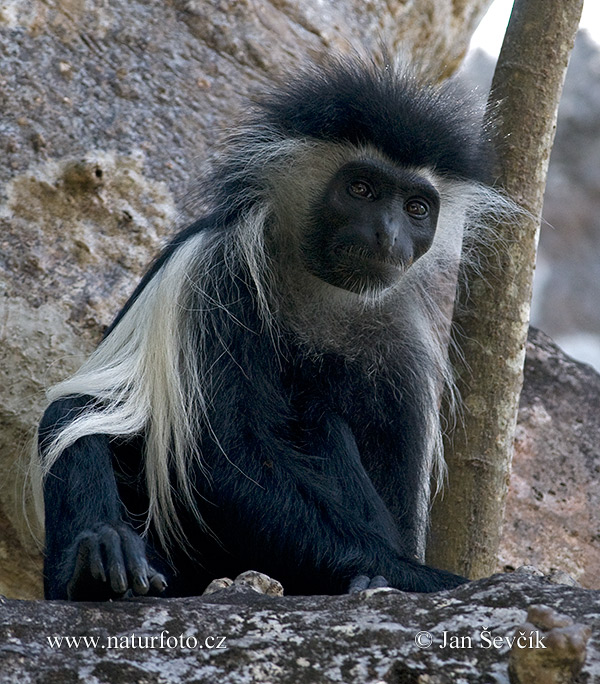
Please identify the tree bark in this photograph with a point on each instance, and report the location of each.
(467, 520)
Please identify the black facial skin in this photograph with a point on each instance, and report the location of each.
(373, 221)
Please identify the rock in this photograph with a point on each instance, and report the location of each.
(258, 581)
(548, 649)
(234, 637)
(553, 507)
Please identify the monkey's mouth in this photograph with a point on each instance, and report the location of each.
(359, 270)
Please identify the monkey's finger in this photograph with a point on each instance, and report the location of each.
(378, 581)
(135, 562)
(88, 561)
(158, 583)
(111, 541)
(359, 583)
(139, 577)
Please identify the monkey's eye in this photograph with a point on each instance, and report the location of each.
(361, 189)
(417, 208)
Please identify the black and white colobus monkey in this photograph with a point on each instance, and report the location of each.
(268, 398)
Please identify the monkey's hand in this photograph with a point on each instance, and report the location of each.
(409, 576)
(362, 582)
(413, 576)
(109, 560)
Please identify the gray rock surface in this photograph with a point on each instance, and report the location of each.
(239, 636)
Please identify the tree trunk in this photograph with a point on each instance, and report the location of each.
(467, 519)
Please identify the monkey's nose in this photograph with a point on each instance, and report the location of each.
(385, 239)
(386, 236)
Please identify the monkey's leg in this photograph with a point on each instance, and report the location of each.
(310, 518)
(401, 475)
(91, 553)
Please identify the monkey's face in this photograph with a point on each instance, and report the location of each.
(373, 221)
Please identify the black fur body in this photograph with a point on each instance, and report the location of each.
(241, 413)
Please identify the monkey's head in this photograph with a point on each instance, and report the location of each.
(373, 220)
(364, 168)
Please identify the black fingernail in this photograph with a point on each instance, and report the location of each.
(141, 584)
(120, 583)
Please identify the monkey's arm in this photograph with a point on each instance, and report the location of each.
(311, 518)
(92, 553)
